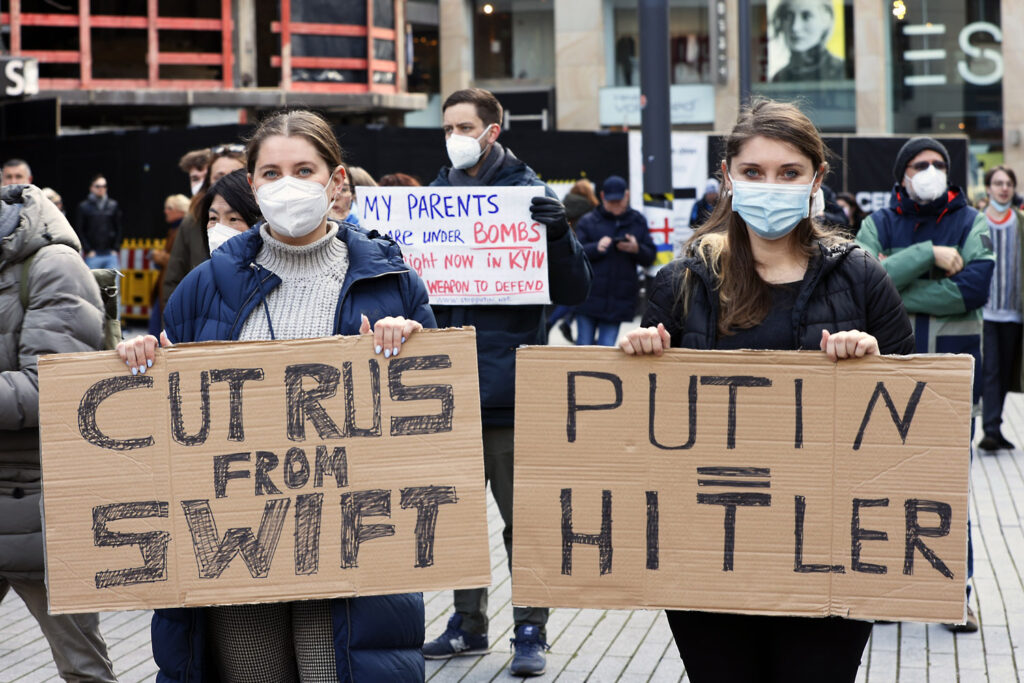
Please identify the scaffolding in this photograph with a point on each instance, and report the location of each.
(383, 76)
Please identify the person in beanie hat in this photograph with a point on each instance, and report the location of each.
(910, 149)
(703, 207)
(937, 250)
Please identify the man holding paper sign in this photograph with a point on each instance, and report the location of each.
(472, 124)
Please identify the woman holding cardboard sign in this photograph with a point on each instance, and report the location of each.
(760, 274)
(295, 275)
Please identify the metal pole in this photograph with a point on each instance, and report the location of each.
(744, 38)
(655, 117)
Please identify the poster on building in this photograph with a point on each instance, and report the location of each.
(670, 227)
(751, 482)
(470, 245)
(262, 472)
(806, 41)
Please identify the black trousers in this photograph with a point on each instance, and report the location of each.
(740, 648)
(1001, 344)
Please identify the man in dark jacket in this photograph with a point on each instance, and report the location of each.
(472, 123)
(98, 224)
(616, 240)
(63, 315)
(703, 207)
(938, 253)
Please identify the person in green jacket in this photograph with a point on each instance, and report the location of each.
(937, 251)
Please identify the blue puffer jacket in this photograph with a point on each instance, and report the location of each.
(500, 330)
(376, 638)
(615, 287)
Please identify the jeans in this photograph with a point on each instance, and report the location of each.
(586, 326)
(108, 259)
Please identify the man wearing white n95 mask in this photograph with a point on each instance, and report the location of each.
(938, 253)
(472, 124)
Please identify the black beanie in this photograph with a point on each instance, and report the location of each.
(911, 149)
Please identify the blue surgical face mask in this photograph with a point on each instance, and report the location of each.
(771, 210)
(999, 206)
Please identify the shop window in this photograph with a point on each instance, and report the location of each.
(947, 69)
(689, 49)
(514, 40)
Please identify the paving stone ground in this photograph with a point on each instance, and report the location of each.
(598, 645)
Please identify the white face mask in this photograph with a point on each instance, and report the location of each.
(293, 207)
(818, 203)
(928, 185)
(196, 186)
(465, 151)
(219, 234)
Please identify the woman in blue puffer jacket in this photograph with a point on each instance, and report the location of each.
(295, 275)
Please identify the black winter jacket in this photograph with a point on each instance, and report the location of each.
(615, 286)
(500, 330)
(844, 289)
(98, 225)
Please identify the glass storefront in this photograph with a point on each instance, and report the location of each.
(803, 52)
(514, 41)
(691, 91)
(947, 69)
(689, 50)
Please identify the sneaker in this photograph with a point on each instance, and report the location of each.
(455, 642)
(970, 626)
(529, 645)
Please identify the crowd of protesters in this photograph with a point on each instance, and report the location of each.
(270, 237)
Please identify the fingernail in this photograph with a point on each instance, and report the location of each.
(395, 352)
(135, 370)
(376, 349)
(149, 363)
(403, 340)
(387, 353)
(142, 369)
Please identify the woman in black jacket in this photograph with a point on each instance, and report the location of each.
(762, 275)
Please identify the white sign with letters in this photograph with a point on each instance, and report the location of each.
(471, 245)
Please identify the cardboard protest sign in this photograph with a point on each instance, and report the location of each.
(471, 245)
(751, 482)
(262, 471)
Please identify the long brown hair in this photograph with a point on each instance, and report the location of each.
(723, 244)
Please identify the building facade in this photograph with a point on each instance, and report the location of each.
(870, 67)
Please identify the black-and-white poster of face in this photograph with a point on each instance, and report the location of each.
(806, 41)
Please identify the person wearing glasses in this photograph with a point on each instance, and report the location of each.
(938, 252)
(192, 246)
(98, 224)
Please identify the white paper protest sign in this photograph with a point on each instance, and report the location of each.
(471, 245)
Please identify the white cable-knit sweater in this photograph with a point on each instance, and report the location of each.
(303, 305)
